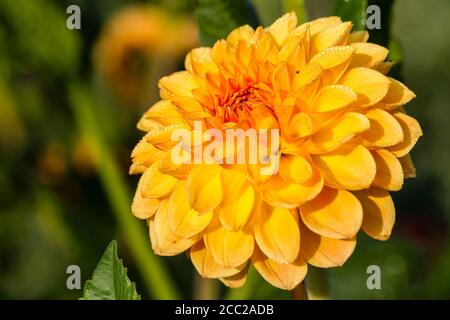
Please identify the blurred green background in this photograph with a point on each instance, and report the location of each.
(69, 102)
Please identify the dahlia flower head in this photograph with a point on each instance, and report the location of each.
(344, 143)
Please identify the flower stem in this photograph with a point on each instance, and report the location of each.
(153, 272)
(299, 292)
(318, 285)
(205, 289)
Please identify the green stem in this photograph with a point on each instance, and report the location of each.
(153, 272)
(317, 284)
(205, 289)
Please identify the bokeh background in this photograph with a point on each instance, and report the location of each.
(69, 102)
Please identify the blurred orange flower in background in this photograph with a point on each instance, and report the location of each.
(344, 145)
(135, 43)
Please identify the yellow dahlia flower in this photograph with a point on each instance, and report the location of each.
(344, 145)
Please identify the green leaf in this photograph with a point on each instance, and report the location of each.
(109, 280)
(216, 18)
(352, 10)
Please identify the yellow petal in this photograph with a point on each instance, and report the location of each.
(142, 151)
(162, 110)
(164, 241)
(339, 132)
(281, 78)
(389, 171)
(180, 83)
(244, 55)
(281, 28)
(146, 124)
(325, 252)
(184, 221)
(242, 33)
(163, 135)
(398, 95)
(262, 118)
(333, 98)
(200, 62)
(379, 212)
(177, 170)
(156, 184)
(333, 57)
(385, 67)
(238, 200)
(368, 55)
(370, 85)
(321, 24)
(358, 36)
(330, 37)
(141, 207)
(408, 167)
(306, 76)
(301, 125)
(296, 169)
(161, 113)
(348, 167)
(204, 188)
(334, 61)
(280, 275)
(333, 213)
(144, 155)
(255, 173)
(284, 194)
(385, 130)
(137, 168)
(187, 105)
(237, 280)
(277, 233)
(266, 48)
(221, 52)
(295, 49)
(289, 49)
(299, 35)
(229, 249)
(206, 266)
(411, 132)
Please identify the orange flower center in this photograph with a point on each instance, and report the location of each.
(245, 104)
(235, 105)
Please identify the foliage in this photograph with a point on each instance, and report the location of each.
(352, 10)
(109, 280)
(35, 33)
(216, 18)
